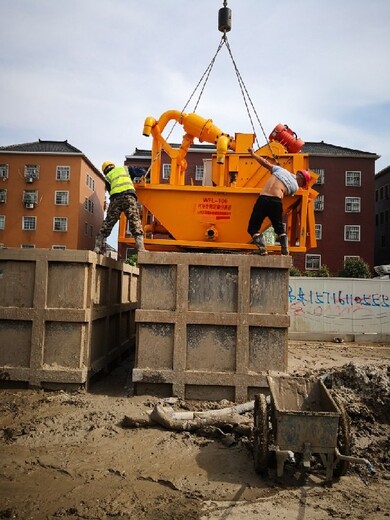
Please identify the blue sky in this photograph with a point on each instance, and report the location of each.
(91, 71)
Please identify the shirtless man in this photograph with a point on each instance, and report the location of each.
(269, 203)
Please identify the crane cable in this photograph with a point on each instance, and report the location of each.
(244, 92)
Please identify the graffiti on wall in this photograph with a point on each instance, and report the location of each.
(334, 307)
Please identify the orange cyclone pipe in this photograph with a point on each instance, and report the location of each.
(194, 125)
(202, 128)
(168, 116)
(223, 142)
(148, 126)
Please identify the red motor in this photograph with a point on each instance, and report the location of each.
(283, 135)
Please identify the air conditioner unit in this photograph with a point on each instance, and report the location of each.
(29, 179)
(29, 205)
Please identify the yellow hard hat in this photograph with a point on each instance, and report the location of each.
(107, 163)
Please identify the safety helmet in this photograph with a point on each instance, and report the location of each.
(306, 175)
(107, 163)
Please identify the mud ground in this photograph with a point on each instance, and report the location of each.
(68, 456)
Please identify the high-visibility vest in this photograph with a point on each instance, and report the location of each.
(119, 180)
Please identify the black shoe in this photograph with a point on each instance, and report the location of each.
(259, 241)
(284, 245)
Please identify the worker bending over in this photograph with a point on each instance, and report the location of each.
(123, 198)
(269, 203)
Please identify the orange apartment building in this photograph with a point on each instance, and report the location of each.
(51, 196)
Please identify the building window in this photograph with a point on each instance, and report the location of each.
(30, 198)
(352, 204)
(353, 178)
(312, 262)
(31, 172)
(319, 203)
(88, 229)
(60, 224)
(90, 182)
(63, 173)
(318, 231)
(3, 171)
(386, 191)
(199, 171)
(29, 223)
(62, 248)
(61, 198)
(89, 205)
(3, 195)
(352, 233)
(353, 257)
(28, 246)
(321, 175)
(2, 221)
(166, 171)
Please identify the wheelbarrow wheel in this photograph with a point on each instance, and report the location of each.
(260, 434)
(343, 438)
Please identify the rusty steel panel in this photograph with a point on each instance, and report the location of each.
(15, 343)
(17, 280)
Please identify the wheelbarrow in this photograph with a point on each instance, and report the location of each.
(301, 419)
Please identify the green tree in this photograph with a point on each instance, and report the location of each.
(132, 259)
(294, 271)
(323, 271)
(355, 268)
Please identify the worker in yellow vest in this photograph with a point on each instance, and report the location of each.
(123, 198)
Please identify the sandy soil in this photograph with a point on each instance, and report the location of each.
(68, 455)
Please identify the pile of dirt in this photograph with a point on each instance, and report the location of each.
(365, 393)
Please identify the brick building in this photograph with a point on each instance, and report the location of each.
(344, 209)
(382, 220)
(51, 196)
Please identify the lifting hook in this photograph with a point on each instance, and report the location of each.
(224, 18)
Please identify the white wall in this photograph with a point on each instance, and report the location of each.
(322, 307)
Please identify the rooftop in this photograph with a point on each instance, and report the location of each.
(41, 146)
(311, 148)
(48, 147)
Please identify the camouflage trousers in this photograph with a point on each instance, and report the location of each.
(126, 204)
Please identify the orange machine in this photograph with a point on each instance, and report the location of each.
(215, 216)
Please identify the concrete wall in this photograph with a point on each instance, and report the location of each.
(210, 325)
(64, 315)
(349, 308)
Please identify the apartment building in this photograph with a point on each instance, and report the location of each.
(51, 196)
(382, 217)
(344, 208)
